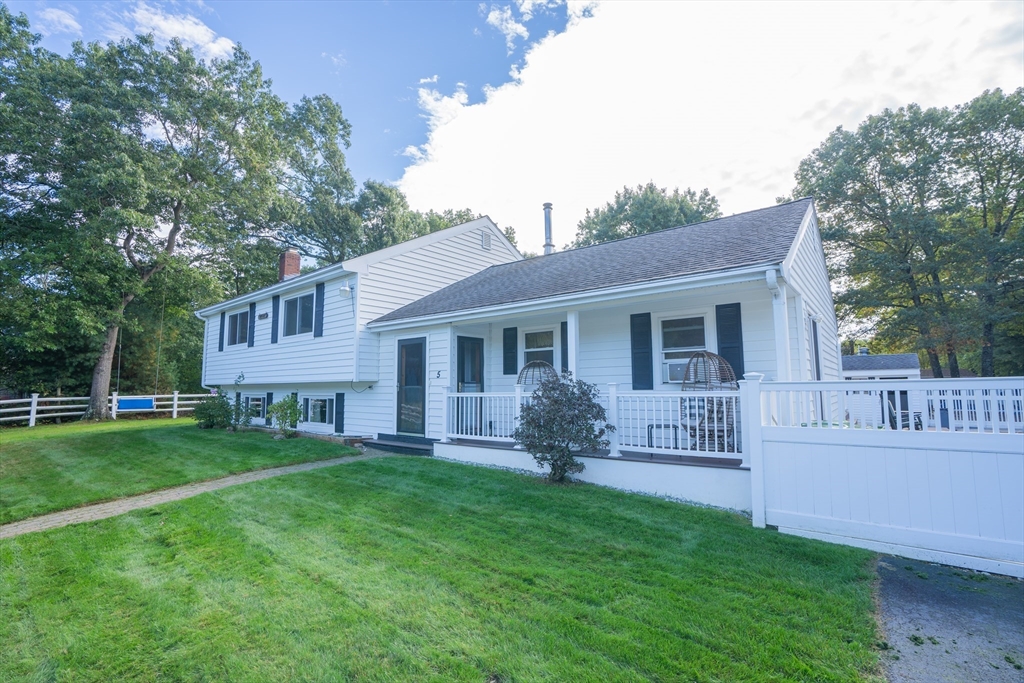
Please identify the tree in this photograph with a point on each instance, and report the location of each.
(317, 213)
(563, 415)
(646, 209)
(148, 154)
(921, 217)
(987, 149)
(880, 193)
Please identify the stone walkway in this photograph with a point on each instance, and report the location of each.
(97, 511)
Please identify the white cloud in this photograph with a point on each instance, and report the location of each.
(432, 79)
(52, 20)
(144, 18)
(501, 18)
(725, 96)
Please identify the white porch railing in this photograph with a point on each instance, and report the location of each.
(38, 407)
(697, 423)
(928, 405)
(689, 422)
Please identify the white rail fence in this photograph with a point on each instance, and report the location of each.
(36, 408)
(975, 405)
(929, 469)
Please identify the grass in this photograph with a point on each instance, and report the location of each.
(410, 569)
(55, 467)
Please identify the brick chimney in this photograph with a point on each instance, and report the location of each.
(289, 265)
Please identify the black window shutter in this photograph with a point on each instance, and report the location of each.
(510, 350)
(565, 347)
(220, 344)
(339, 413)
(318, 311)
(238, 406)
(295, 395)
(730, 336)
(642, 353)
(266, 409)
(275, 307)
(274, 317)
(252, 323)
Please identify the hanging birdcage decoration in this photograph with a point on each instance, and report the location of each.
(535, 372)
(708, 371)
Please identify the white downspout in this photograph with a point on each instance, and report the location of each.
(780, 312)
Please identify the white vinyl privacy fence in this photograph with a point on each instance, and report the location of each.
(928, 469)
(32, 410)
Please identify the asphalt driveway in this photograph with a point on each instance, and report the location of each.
(946, 624)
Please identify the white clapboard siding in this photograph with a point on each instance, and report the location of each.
(295, 359)
(807, 272)
(394, 282)
(378, 284)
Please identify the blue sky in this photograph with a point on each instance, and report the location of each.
(369, 56)
(567, 101)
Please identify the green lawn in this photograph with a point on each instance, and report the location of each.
(55, 467)
(410, 569)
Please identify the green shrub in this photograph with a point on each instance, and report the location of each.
(563, 416)
(214, 412)
(286, 414)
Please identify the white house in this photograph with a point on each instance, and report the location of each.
(307, 334)
(864, 365)
(423, 342)
(420, 347)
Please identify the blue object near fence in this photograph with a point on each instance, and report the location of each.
(135, 404)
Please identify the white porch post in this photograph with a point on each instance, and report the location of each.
(780, 311)
(32, 410)
(613, 419)
(573, 330)
(801, 340)
(445, 417)
(174, 406)
(518, 407)
(753, 455)
(113, 405)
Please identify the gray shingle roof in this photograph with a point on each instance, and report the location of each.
(756, 237)
(887, 361)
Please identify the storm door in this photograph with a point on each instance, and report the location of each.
(470, 378)
(412, 387)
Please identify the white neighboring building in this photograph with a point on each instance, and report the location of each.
(882, 366)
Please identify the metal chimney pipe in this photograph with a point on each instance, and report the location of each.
(549, 246)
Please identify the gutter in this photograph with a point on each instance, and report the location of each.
(751, 273)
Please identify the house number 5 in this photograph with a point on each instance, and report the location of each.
(438, 374)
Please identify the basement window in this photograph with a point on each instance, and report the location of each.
(318, 410)
(238, 328)
(254, 406)
(298, 315)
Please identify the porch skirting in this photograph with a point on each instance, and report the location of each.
(724, 487)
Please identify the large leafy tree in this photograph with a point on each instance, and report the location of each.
(921, 214)
(987, 150)
(648, 208)
(148, 155)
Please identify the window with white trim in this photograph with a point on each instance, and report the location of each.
(298, 315)
(254, 406)
(539, 346)
(238, 328)
(318, 410)
(680, 339)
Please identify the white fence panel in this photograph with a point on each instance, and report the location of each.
(878, 465)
